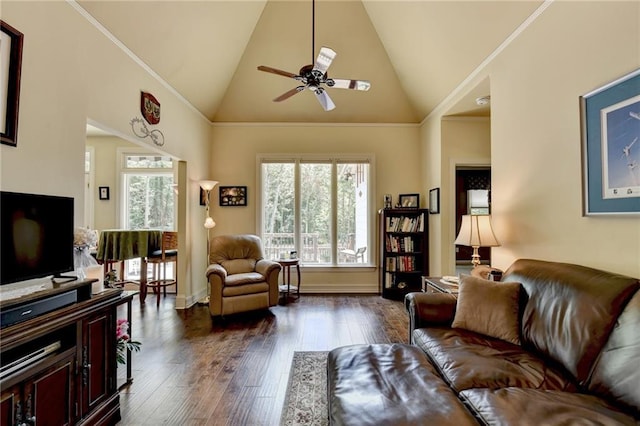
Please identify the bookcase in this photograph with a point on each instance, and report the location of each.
(404, 251)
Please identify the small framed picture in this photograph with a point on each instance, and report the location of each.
(388, 201)
(434, 201)
(103, 192)
(203, 197)
(233, 195)
(293, 254)
(409, 201)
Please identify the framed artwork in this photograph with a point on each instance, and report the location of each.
(388, 201)
(103, 192)
(233, 196)
(10, 69)
(410, 201)
(203, 197)
(434, 201)
(610, 125)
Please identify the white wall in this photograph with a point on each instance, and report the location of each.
(397, 170)
(71, 72)
(572, 48)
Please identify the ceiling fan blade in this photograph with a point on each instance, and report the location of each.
(276, 71)
(341, 83)
(324, 100)
(288, 94)
(325, 57)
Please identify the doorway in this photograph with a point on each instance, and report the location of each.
(473, 196)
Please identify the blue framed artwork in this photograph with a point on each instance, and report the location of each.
(610, 125)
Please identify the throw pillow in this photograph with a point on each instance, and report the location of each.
(489, 308)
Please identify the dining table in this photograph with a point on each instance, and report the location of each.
(118, 245)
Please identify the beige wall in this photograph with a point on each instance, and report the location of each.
(465, 142)
(71, 72)
(105, 212)
(573, 48)
(397, 170)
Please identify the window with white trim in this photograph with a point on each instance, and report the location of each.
(318, 207)
(147, 198)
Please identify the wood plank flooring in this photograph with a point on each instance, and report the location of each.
(193, 372)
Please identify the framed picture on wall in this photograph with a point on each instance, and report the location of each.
(610, 127)
(103, 192)
(434, 201)
(10, 69)
(233, 196)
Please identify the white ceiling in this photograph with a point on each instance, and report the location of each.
(414, 53)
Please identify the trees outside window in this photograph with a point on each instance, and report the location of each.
(317, 207)
(147, 198)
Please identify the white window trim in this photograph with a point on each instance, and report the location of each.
(121, 170)
(335, 159)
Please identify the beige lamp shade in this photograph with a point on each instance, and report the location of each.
(208, 185)
(209, 222)
(476, 231)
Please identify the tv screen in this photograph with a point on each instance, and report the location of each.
(36, 236)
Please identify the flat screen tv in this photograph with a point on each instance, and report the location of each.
(36, 236)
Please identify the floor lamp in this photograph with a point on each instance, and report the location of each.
(209, 223)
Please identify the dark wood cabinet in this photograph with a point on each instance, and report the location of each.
(404, 251)
(75, 382)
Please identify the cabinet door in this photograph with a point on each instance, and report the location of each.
(97, 362)
(10, 408)
(48, 398)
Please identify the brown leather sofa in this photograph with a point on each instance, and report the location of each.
(577, 361)
(240, 278)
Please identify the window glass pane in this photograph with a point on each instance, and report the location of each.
(278, 202)
(148, 162)
(353, 218)
(149, 201)
(315, 212)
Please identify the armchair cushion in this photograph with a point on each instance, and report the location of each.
(242, 279)
(239, 266)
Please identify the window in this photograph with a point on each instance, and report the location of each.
(318, 207)
(147, 198)
(147, 192)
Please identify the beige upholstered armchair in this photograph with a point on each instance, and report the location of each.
(240, 278)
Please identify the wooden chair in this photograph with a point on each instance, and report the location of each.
(168, 253)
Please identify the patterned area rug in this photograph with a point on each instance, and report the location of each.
(305, 402)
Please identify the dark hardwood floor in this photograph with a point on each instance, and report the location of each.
(193, 372)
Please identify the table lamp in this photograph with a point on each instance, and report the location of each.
(476, 232)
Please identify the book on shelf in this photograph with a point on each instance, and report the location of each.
(405, 223)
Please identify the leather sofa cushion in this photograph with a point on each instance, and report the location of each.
(617, 372)
(534, 407)
(489, 308)
(570, 310)
(470, 360)
(389, 384)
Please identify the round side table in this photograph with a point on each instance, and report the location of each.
(286, 288)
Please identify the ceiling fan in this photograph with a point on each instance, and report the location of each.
(314, 77)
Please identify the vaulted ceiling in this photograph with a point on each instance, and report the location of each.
(414, 53)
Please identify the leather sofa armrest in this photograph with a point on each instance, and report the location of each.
(268, 268)
(429, 309)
